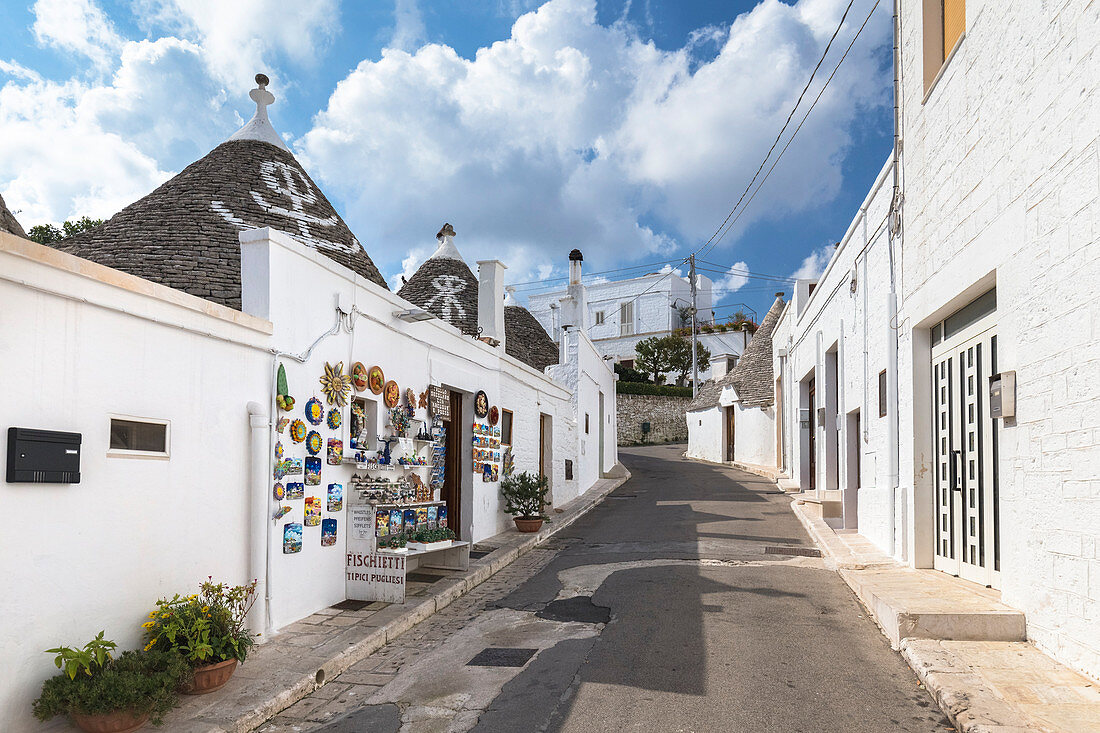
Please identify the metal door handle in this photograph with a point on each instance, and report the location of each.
(955, 484)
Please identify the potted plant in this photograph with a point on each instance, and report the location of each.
(431, 539)
(102, 694)
(524, 498)
(207, 629)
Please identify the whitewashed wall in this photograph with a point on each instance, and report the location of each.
(706, 435)
(80, 343)
(1001, 172)
(754, 435)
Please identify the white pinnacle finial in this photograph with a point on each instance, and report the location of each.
(259, 127)
(447, 249)
(510, 295)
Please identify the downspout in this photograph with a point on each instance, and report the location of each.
(892, 425)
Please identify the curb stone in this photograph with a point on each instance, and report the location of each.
(309, 673)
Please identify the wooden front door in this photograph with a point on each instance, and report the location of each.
(813, 435)
(730, 432)
(452, 477)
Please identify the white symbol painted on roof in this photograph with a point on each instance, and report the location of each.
(292, 184)
(447, 287)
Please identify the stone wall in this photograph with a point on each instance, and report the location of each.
(665, 416)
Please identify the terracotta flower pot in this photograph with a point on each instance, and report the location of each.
(210, 677)
(119, 721)
(528, 525)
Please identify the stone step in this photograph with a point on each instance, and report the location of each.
(927, 604)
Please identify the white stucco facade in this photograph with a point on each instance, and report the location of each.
(999, 180)
(84, 343)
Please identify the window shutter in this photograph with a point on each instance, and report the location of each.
(954, 23)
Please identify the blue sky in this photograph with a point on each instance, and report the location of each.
(627, 129)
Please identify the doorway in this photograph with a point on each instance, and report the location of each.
(731, 434)
(965, 437)
(813, 434)
(600, 471)
(452, 476)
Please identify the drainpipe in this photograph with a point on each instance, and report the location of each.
(892, 425)
(258, 525)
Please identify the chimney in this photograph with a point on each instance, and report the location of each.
(490, 299)
(575, 305)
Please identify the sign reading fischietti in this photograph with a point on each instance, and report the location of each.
(375, 576)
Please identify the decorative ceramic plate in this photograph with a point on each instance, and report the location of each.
(494, 415)
(391, 394)
(314, 442)
(280, 426)
(279, 492)
(376, 380)
(297, 431)
(335, 419)
(359, 376)
(278, 450)
(481, 404)
(315, 411)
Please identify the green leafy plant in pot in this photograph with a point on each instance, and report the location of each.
(524, 498)
(104, 694)
(207, 630)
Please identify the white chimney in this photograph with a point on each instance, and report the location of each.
(490, 298)
(575, 305)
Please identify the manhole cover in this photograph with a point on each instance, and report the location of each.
(501, 657)
(623, 496)
(478, 554)
(801, 551)
(422, 577)
(352, 605)
(577, 608)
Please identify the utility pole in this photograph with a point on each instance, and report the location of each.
(694, 330)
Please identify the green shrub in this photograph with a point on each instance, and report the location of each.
(205, 628)
(426, 536)
(652, 389)
(141, 681)
(524, 495)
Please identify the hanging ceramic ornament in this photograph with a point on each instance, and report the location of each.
(282, 398)
(278, 450)
(494, 415)
(335, 419)
(281, 424)
(481, 404)
(359, 376)
(376, 380)
(313, 511)
(292, 538)
(280, 513)
(335, 497)
(295, 490)
(297, 431)
(313, 470)
(279, 491)
(423, 402)
(335, 451)
(335, 384)
(328, 532)
(314, 443)
(315, 411)
(391, 394)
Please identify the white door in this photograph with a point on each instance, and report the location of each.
(967, 526)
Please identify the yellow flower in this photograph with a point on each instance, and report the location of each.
(148, 625)
(206, 609)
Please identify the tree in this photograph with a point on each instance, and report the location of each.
(626, 374)
(655, 355)
(48, 233)
(681, 357)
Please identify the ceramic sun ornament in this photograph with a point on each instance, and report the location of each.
(335, 384)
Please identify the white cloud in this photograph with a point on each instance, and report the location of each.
(814, 263)
(78, 26)
(408, 26)
(572, 134)
(734, 279)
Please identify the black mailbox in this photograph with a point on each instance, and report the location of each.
(43, 456)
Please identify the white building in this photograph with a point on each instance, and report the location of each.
(940, 386)
(620, 313)
(166, 375)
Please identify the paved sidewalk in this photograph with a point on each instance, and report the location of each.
(307, 654)
(966, 646)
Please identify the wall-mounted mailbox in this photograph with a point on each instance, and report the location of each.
(43, 456)
(646, 427)
(1002, 395)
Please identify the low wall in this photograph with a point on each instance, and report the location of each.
(665, 416)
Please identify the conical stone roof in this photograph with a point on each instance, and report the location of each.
(753, 378)
(185, 233)
(8, 222)
(525, 338)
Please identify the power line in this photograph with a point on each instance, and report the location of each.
(601, 272)
(704, 248)
(800, 124)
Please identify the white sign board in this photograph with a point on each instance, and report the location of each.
(370, 575)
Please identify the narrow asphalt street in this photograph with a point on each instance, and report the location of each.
(678, 604)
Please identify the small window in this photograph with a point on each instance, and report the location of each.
(627, 363)
(136, 437)
(944, 25)
(626, 318)
(882, 393)
(599, 318)
(505, 427)
(586, 423)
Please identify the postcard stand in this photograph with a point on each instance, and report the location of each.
(379, 574)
